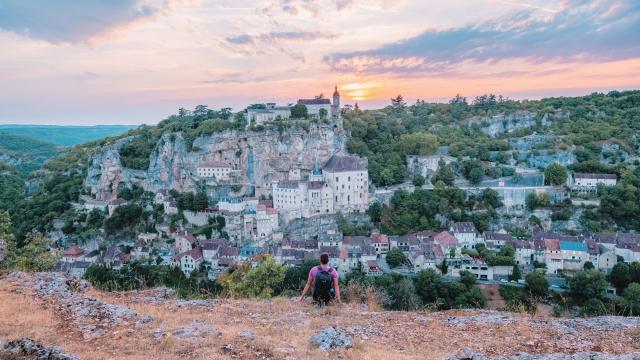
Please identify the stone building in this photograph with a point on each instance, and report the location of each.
(341, 186)
(214, 169)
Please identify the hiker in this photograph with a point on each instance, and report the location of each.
(325, 282)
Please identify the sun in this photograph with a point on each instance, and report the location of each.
(359, 91)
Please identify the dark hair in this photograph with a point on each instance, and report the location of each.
(324, 258)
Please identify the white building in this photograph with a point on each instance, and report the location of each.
(574, 255)
(189, 260)
(341, 186)
(314, 106)
(214, 169)
(591, 180)
(270, 113)
(348, 178)
(466, 234)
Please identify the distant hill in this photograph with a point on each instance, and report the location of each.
(24, 152)
(65, 135)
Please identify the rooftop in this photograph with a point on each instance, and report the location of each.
(595, 176)
(317, 101)
(214, 164)
(341, 163)
(573, 246)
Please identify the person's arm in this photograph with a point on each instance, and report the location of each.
(336, 286)
(306, 287)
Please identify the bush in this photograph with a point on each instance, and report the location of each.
(536, 284)
(395, 257)
(402, 296)
(262, 281)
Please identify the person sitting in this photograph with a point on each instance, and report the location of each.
(324, 280)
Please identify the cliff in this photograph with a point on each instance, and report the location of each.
(258, 158)
(153, 324)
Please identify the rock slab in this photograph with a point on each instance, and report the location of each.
(331, 338)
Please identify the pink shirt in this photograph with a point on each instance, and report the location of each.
(314, 271)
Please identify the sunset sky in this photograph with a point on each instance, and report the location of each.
(136, 61)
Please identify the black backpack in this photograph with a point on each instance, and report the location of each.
(323, 284)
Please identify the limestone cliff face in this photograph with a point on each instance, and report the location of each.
(258, 159)
(106, 173)
(169, 166)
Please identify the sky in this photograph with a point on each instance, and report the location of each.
(138, 61)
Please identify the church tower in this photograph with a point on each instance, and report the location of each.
(335, 110)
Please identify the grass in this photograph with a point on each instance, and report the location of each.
(282, 328)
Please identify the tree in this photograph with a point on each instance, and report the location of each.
(418, 180)
(398, 103)
(262, 281)
(632, 298)
(536, 284)
(443, 267)
(322, 113)
(590, 284)
(467, 278)
(200, 201)
(418, 143)
(34, 256)
(588, 265)
(491, 198)
(403, 295)
(531, 201)
(476, 175)
(299, 111)
(620, 276)
(428, 285)
(395, 257)
(515, 273)
(555, 174)
(7, 260)
(444, 174)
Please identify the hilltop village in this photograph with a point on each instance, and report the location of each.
(284, 185)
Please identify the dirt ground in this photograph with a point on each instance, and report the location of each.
(282, 329)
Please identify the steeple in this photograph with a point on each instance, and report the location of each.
(335, 107)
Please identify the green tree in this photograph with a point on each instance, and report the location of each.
(588, 266)
(590, 284)
(395, 257)
(444, 174)
(475, 176)
(620, 276)
(555, 174)
(262, 281)
(418, 143)
(322, 113)
(398, 103)
(200, 201)
(418, 180)
(467, 278)
(299, 111)
(536, 284)
(428, 285)
(632, 298)
(403, 296)
(531, 201)
(9, 241)
(515, 273)
(34, 256)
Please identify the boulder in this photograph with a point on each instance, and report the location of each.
(331, 338)
(32, 349)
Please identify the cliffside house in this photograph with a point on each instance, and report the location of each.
(214, 169)
(114, 204)
(588, 182)
(270, 113)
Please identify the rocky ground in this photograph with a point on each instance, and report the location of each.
(70, 319)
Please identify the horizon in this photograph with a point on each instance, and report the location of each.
(137, 61)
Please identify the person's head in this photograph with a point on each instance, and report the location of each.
(324, 258)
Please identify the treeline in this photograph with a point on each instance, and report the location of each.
(201, 121)
(425, 209)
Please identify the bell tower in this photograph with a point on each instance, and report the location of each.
(335, 110)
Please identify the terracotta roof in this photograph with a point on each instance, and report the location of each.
(379, 238)
(340, 163)
(74, 251)
(446, 240)
(552, 244)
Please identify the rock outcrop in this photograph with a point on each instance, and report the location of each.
(258, 159)
(26, 348)
(330, 338)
